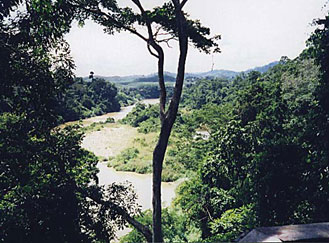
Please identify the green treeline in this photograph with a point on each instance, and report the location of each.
(154, 78)
(86, 99)
(82, 99)
(144, 91)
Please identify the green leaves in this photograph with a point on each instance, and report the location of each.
(84, 99)
(175, 227)
(233, 222)
(265, 159)
(7, 6)
(145, 116)
(47, 179)
(115, 19)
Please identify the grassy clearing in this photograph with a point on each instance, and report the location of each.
(137, 155)
(97, 126)
(126, 149)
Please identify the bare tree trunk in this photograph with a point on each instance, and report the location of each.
(167, 122)
(158, 157)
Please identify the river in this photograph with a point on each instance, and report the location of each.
(116, 115)
(142, 183)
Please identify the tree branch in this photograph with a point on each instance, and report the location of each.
(150, 41)
(109, 17)
(167, 40)
(176, 4)
(179, 6)
(159, 50)
(150, 50)
(182, 4)
(183, 48)
(138, 226)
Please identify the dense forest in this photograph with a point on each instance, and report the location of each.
(265, 162)
(82, 99)
(86, 99)
(136, 91)
(252, 151)
(49, 185)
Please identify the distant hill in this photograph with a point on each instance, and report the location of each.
(215, 73)
(230, 74)
(263, 69)
(118, 79)
(154, 78)
(170, 77)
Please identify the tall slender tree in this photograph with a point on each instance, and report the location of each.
(162, 24)
(40, 29)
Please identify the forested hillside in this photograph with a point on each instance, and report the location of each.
(262, 161)
(266, 160)
(82, 99)
(86, 99)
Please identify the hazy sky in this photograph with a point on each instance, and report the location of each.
(254, 33)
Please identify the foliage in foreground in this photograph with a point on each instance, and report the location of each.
(175, 227)
(48, 182)
(268, 163)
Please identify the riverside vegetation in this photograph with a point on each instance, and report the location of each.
(265, 162)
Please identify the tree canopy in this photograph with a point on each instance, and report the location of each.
(48, 182)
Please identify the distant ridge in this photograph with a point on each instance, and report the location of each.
(215, 73)
(170, 77)
(263, 69)
(231, 74)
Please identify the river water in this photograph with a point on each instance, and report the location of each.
(117, 115)
(142, 183)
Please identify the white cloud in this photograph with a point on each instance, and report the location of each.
(254, 33)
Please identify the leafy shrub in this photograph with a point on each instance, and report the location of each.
(127, 155)
(142, 113)
(110, 120)
(233, 223)
(175, 227)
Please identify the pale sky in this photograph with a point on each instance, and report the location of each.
(254, 33)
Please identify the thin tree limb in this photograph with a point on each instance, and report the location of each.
(150, 51)
(117, 23)
(112, 206)
(182, 4)
(183, 48)
(158, 48)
